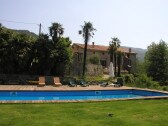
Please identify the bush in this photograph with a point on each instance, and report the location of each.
(141, 81)
(154, 85)
(165, 88)
(120, 80)
(164, 83)
(94, 60)
(129, 78)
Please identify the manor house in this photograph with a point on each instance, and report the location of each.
(128, 59)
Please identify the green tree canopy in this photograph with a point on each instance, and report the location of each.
(21, 53)
(156, 60)
(56, 30)
(14, 51)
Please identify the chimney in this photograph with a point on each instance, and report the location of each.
(92, 44)
(130, 50)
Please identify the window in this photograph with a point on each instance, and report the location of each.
(103, 63)
(93, 52)
(103, 53)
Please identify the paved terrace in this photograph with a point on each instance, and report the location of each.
(64, 87)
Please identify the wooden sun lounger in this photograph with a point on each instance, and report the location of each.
(41, 81)
(57, 81)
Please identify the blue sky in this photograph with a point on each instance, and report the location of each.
(136, 23)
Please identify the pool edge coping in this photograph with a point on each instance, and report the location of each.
(94, 100)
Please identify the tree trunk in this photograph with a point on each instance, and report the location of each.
(115, 64)
(119, 65)
(85, 52)
(111, 57)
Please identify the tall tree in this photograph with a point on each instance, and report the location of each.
(156, 60)
(56, 30)
(114, 45)
(53, 58)
(87, 32)
(14, 51)
(21, 53)
(62, 58)
(43, 55)
(119, 55)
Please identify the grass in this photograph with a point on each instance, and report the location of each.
(125, 113)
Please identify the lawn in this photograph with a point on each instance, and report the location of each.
(124, 113)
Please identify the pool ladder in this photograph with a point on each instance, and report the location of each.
(13, 93)
(97, 92)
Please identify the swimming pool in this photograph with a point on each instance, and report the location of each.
(76, 95)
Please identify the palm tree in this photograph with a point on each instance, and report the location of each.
(87, 32)
(114, 45)
(119, 55)
(111, 51)
(56, 30)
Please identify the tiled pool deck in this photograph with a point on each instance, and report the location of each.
(64, 87)
(67, 88)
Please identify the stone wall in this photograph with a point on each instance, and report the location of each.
(94, 70)
(91, 70)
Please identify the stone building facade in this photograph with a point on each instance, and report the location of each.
(128, 59)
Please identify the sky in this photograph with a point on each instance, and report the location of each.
(137, 23)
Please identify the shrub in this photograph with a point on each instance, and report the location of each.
(129, 78)
(120, 80)
(143, 81)
(164, 83)
(94, 59)
(165, 88)
(154, 85)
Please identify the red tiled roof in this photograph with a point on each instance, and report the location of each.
(102, 48)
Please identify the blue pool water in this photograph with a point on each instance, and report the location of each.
(76, 95)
